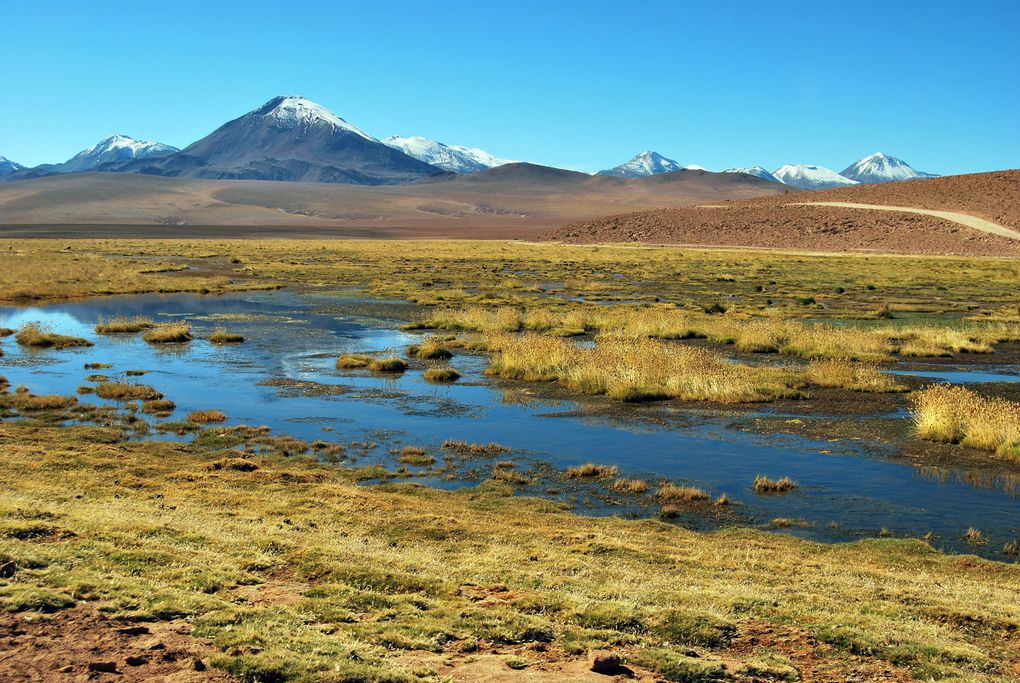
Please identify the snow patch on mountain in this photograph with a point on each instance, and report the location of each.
(757, 171)
(810, 177)
(882, 168)
(453, 158)
(644, 164)
(293, 111)
(8, 167)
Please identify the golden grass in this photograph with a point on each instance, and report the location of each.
(125, 391)
(671, 494)
(350, 361)
(124, 324)
(954, 414)
(37, 335)
(207, 416)
(158, 406)
(854, 376)
(221, 336)
(592, 471)
(635, 486)
(635, 369)
(764, 486)
(169, 333)
(441, 375)
(390, 364)
(287, 547)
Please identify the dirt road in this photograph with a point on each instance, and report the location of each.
(961, 218)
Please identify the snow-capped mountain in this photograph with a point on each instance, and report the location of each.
(807, 177)
(114, 148)
(644, 164)
(756, 171)
(453, 158)
(8, 167)
(293, 139)
(694, 167)
(882, 168)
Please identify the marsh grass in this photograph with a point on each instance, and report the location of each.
(124, 324)
(126, 391)
(635, 486)
(671, 494)
(209, 416)
(37, 335)
(764, 486)
(221, 336)
(592, 471)
(430, 349)
(390, 364)
(159, 407)
(339, 567)
(441, 375)
(413, 455)
(842, 373)
(350, 361)
(169, 333)
(635, 369)
(954, 414)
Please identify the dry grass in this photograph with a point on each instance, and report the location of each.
(161, 407)
(351, 361)
(169, 333)
(635, 486)
(635, 369)
(124, 324)
(592, 471)
(854, 376)
(413, 455)
(221, 336)
(441, 375)
(671, 494)
(125, 391)
(390, 364)
(37, 335)
(764, 486)
(208, 416)
(954, 414)
(475, 448)
(326, 567)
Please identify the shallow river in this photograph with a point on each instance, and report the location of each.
(284, 376)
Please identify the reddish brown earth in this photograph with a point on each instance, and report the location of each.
(775, 222)
(81, 645)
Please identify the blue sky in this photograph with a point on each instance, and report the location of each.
(583, 85)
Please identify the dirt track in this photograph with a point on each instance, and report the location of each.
(961, 218)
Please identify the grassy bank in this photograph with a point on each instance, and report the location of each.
(296, 572)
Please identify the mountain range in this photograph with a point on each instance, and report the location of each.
(294, 139)
(875, 168)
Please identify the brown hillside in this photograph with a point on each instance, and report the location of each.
(774, 222)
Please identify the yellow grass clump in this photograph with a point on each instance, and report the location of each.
(954, 414)
(592, 471)
(207, 416)
(124, 324)
(169, 333)
(846, 374)
(125, 391)
(221, 336)
(765, 486)
(39, 336)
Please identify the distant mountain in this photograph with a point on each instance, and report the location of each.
(644, 164)
(8, 167)
(112, 149)
(806, 177)
(453, 158)
(756, 171)
(291, 139)
(882, 168)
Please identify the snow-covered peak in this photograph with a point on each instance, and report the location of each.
(809, 177)
(882, 168)
(294, 111)
(115, 148)
(756, 171)
(694, 167)
(454, 158)
(644, 164)
(130, 147)
(8, 167)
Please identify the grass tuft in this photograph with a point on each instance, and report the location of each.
(169, 333)
(764, 486)
(37, 335)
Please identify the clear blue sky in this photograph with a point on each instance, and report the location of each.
(583, 85)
